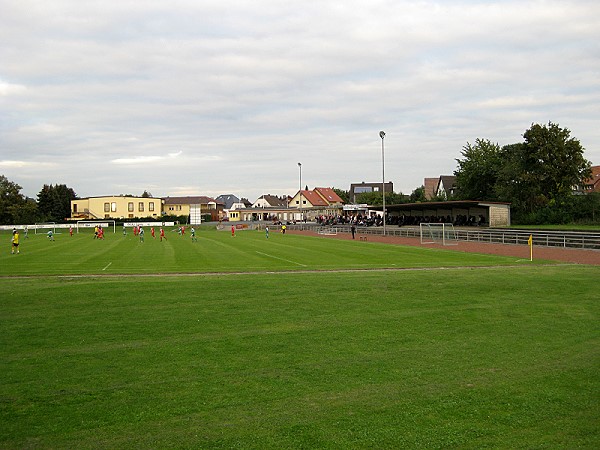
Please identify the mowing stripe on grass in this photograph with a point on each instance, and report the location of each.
(281, 259)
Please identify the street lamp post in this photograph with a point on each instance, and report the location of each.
(300, 191)
(382, 135)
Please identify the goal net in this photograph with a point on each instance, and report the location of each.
(328, 231)
(438, 233)
(86, 224)
(44, 227)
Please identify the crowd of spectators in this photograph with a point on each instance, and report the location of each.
(368, 220)
(377, 220)
(459, 220)
(359, 219)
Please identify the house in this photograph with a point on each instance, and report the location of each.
(307, 199)
(115, 207)
(446, 186)
(227, 200)
(270, 201)
(330, 196)
(430, 185)
(317, 202)
(193, 207)
(592, 184)
(359, 188)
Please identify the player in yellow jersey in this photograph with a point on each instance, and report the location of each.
(15, 242)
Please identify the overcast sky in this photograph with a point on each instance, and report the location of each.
(209, 97)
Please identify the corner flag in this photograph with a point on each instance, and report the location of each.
(530, 243)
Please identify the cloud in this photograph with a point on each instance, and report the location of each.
(7, 89)
(146, 159)
(245, 90)
(16, 164)
(8, 164)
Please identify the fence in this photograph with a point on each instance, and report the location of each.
(565, 239)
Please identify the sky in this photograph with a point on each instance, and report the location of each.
(210, 97)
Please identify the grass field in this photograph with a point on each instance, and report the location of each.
(292, 342)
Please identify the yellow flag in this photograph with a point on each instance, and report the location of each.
(530, 241)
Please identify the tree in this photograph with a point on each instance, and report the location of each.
(344, 195)
(418, 195)
(376, 199)
(146, 194)
(10, 200)
(54, 202)
(543, 170)
(24, 213)
(477, 172)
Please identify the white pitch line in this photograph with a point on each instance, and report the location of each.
(107, 265)
(281, 259)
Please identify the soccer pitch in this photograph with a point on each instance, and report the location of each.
(216, 252)
(292, 342)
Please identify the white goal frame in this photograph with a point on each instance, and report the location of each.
(327, 231)
(438, 233)
(44, 226)
(92, 223)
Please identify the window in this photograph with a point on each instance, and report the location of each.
(113, 206)
(130, 206)
(75, 207)
(151, 206)
(107, 207)
(141, 206)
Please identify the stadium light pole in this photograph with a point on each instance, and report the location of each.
(382, 135)
(300, 191)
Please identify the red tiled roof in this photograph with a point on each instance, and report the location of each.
(593, 183)
(313, 198)
(329, 195)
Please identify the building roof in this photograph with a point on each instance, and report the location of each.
(189, 200)
(273, 200)
(329, 195)
(119, 196)
(447, 181)
(422, 206)
(313, 198)
(593, 183)
(227, 200)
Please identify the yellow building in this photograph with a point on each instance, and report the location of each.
(116, 207)
(193, 206)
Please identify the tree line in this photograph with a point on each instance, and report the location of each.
(53, 203)
(540, 177)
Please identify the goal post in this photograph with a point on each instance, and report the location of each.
(44, 227)
(94, 223)
(438, 233)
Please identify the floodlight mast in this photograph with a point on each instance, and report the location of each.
(300, 191)
(382, 136)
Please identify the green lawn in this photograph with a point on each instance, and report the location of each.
(217, 251)
(460, 351)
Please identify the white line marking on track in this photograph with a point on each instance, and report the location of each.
(281, 259)
(107, 265)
